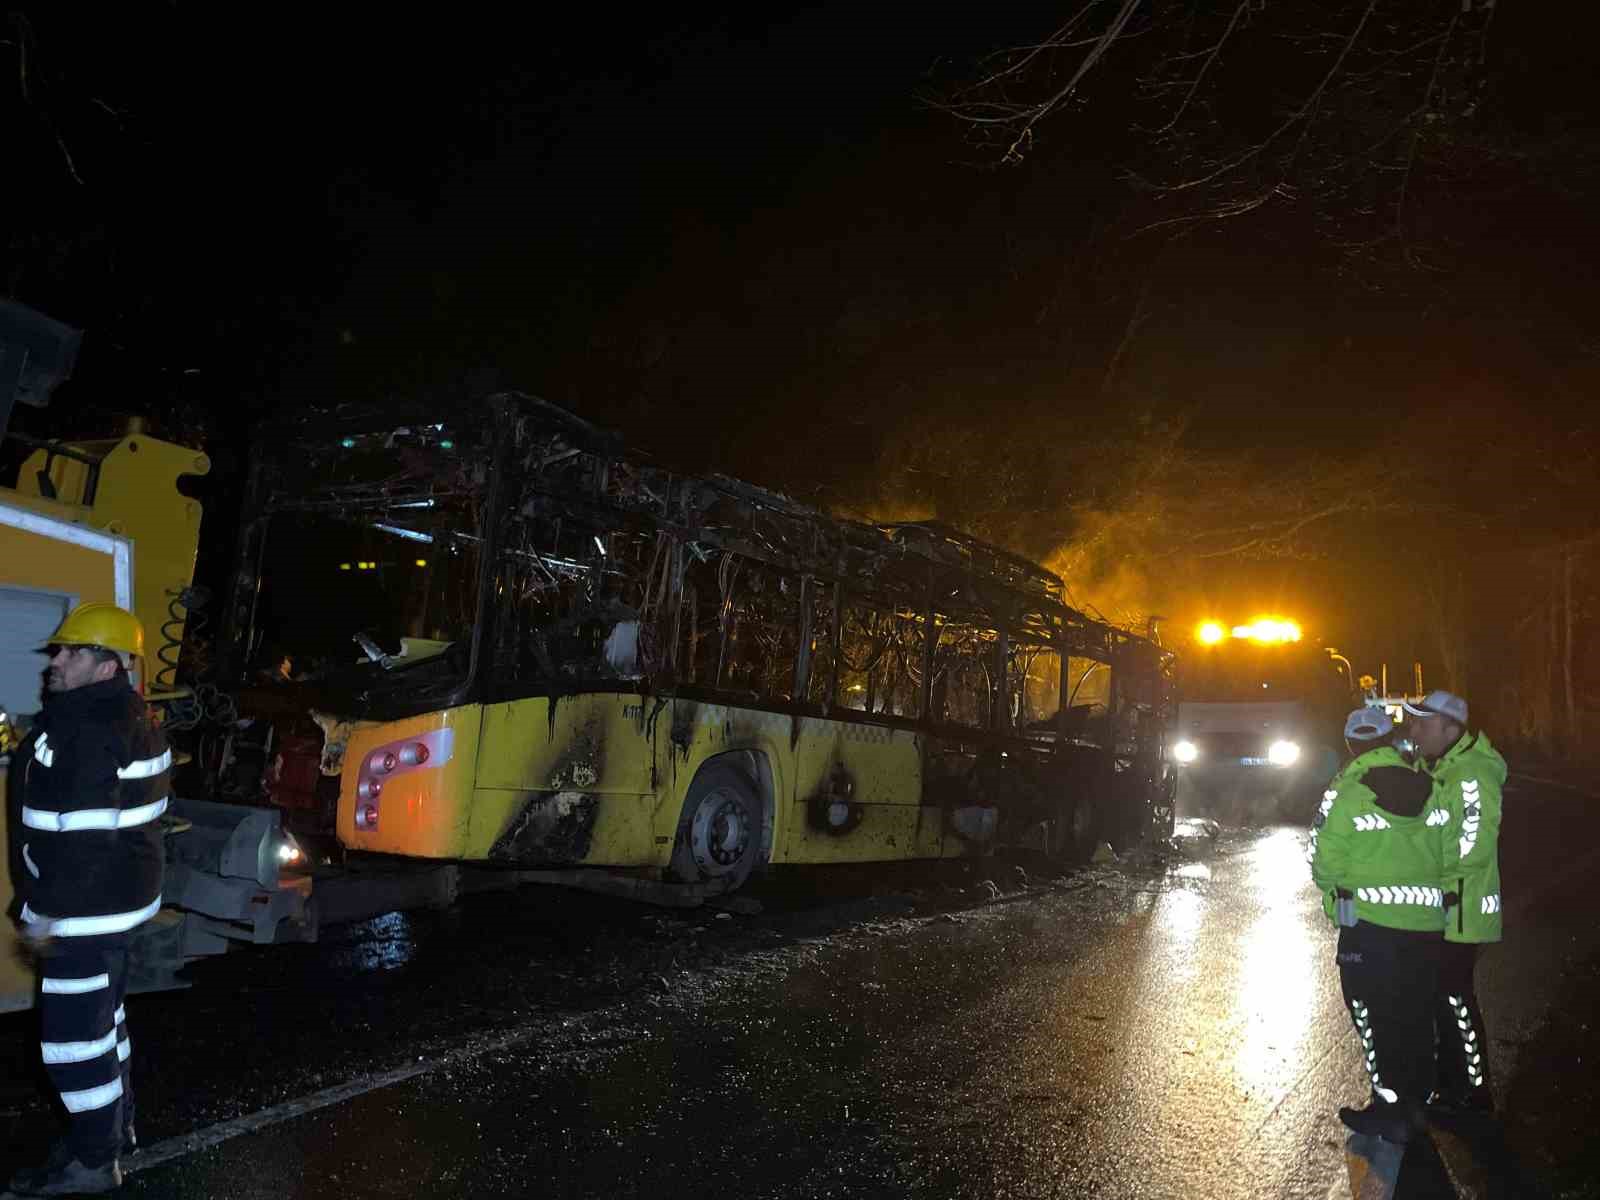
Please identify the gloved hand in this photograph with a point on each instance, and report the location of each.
(38, 933)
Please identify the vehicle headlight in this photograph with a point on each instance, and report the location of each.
(1185, 751)
(1283, 754)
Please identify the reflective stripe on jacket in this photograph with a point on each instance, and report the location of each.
(1467, 783)
(95, 781)
(1375, 839)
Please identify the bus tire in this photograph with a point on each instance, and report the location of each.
(1075, 827)
(721, 830)
(1163, 809)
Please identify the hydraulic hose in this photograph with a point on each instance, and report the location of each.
(184, 606)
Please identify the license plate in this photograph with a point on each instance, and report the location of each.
(1254, 762)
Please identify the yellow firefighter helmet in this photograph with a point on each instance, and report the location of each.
(101, 624)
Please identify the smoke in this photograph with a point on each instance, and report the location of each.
(1110, 566)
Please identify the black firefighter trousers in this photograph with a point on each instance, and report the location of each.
(1389, 978)
(84, 1040)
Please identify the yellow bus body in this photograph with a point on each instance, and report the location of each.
(625, 762)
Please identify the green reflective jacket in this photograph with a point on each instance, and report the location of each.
(1390, 864)
(1467, 780)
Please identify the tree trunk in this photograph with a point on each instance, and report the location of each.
(1571, 716)
(1549, 735)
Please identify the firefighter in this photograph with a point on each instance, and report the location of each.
(94, 783)
(1376, 857)
(1468, 774)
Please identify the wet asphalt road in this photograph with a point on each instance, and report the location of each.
(1169, 1027)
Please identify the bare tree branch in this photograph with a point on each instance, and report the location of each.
(1354, 92)
(1216, 49)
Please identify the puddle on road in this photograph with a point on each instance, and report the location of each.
(384, 943)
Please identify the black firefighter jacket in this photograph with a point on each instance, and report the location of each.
(94, 782)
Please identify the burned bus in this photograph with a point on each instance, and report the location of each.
(490, 633)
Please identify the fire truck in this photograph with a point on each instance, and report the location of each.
(1260, 724)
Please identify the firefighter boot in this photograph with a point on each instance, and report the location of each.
(60, 1155)
(1397, 1121)
(62, 1175)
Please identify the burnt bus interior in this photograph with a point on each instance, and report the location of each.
(505, 548)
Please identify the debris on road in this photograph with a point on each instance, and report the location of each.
(744, 906)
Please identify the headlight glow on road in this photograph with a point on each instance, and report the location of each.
(1185, 751)
(1280, 979)
(1283, 753)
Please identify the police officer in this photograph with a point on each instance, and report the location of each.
(1376, 858)
(94, 783)
(1468, 774)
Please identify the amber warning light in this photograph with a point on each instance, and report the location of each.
(1265, 631)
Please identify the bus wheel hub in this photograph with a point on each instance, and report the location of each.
(721, 833)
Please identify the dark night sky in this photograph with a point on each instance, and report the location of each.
(740, 239)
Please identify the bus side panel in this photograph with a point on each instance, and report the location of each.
(886, 832)
(569, 781)
(877, 770)
(424, 811)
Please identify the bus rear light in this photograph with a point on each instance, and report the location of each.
(386, 767)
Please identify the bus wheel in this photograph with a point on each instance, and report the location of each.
(1073, 831)
(720, 832)
(1194, 797)
(1163, 810)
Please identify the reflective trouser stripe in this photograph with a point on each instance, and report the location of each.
(1471, 1049)
(74, 987)
(124, 1048)
(89, 1099)
(1363, 1021)
(76, 1052)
